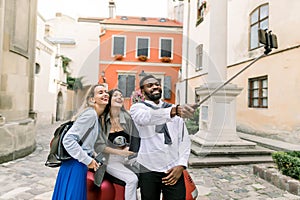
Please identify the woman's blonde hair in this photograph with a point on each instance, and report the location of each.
(87, 100)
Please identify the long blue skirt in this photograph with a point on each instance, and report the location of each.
(71, 181)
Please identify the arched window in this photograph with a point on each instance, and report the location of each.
(259, 19)
(37, 68)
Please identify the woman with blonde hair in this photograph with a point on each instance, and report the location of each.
(71, 180)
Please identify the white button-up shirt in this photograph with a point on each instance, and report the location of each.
(154, 154)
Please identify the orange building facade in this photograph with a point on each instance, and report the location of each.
(132, 46)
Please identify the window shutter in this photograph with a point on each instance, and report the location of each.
(130, 85)
(122, 83)
(167, 87)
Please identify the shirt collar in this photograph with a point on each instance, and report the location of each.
(121, 115)
(154, 104)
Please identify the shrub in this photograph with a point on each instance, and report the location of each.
(288, 163)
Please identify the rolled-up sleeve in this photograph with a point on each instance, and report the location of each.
(144, 116)
(76, 132)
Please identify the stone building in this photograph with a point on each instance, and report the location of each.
(17, 64)
(268, 102)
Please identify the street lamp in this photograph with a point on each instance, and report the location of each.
(103, 76)
(142, 74)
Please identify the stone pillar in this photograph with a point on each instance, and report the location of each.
(220, 126)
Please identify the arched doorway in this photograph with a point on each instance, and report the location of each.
(59, 107)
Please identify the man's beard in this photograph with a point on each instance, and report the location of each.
(153, 97)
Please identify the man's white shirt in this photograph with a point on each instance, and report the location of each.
(154, 154)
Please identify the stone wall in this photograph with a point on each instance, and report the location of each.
(17, 139)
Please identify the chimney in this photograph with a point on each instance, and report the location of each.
(112, 9)
(58, 14)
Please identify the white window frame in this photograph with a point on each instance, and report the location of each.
(113, 42)
(199, 57)
(172, 48)
(258, 24)
(137, 39)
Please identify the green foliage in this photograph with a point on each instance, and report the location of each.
(74, 83)
(288, 163)
(294, 153)
(193, 123)
(65, 63)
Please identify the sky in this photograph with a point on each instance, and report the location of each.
(99, 8)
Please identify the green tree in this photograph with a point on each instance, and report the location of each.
(74, 83)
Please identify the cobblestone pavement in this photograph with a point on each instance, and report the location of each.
(28, 178)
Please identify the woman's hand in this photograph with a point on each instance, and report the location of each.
(125, 152)
(94, 165)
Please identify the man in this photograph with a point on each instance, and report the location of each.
(165, 143)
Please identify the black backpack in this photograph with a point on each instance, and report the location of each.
(58, 152)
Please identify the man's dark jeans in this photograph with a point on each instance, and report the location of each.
(152, 186)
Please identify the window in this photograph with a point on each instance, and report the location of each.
(166, 46)
(259, 19)
(19, 24)
(179, 10)
(126, 83)
(37, 68)
(142, 47)
(162, 20)
(199, 57)
(201, 6)
(118, 45)
(258, 92)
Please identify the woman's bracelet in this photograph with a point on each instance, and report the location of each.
(177, 109)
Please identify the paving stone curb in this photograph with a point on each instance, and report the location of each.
(271, 174)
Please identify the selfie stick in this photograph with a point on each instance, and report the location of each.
(269, 40)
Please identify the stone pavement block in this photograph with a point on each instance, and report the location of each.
(275, 179)
(218, 183)
(293, 186)
(269, 174)
(258, 186)
(283, 183)
(256, 169)
(13, 193)
(262, 173)
(203, 191)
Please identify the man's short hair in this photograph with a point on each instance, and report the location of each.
(145, 78)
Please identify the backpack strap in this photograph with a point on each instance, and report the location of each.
(86, 134)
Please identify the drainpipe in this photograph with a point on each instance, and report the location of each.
(32, 46)
(187, 53)
(2, 5)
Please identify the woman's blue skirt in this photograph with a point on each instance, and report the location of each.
(71, 181)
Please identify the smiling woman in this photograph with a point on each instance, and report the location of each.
(118, 142)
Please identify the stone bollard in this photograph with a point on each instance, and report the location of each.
(293, 186)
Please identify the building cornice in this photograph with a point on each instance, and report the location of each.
(139, 63)
(136, 28)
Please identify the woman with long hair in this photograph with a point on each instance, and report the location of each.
(119, 140)
(71, 178)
